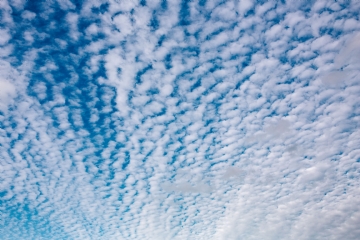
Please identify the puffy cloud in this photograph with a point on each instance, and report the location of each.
(179, 120)
(7, 91)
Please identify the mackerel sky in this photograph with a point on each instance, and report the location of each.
(169, 119)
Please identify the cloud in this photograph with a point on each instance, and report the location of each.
(335, 78)
(179, 120)
(7, 89)
(349, 54)
(4, 36)
(186, 187)
(28, 15)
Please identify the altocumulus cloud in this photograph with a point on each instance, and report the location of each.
(179, 119)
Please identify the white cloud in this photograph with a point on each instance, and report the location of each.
(4, 36)
(349, 53)
(7, 92)
(17, 4)
(227, 127)
(66, 4)
(244, 6)
(28, 15)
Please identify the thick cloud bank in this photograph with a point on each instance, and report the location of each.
(159, 119)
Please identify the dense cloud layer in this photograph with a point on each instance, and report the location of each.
(179, 119)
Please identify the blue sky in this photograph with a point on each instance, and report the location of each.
(204, 119)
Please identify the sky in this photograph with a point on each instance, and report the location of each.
(175, 119)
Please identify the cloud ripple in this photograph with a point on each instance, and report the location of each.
(179, 119)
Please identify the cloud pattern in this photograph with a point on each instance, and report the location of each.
(179, 119)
